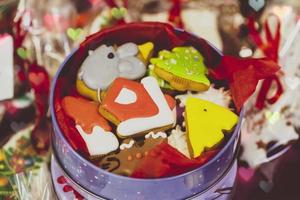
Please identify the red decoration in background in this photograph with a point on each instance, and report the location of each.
(243, 75)
(19, 36)
(40, 84)
(270, 48)
(164, 161)
(175, 14)
(35, 77)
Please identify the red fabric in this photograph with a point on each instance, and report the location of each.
(243, 74)
(165, 161)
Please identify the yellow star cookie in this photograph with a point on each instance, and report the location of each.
(206, 122)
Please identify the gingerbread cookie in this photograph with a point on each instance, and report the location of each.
(137, 108)
(205, 123)
(183, 68)
(106, 63)
(131, 154)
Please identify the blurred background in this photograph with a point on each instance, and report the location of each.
(41, 33)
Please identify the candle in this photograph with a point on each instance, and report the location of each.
(6, 67)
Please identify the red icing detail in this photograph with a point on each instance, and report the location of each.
(61, 180)
(85, 113)
(165, 161)
(67, 188)
(171, 101)
(143, 107)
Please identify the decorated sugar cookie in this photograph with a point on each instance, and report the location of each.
(183, 68)
(106, 63)
(84, 113)
(205, 123)
(137, 108)
(93, 128)
(131, 154)
(126, 99)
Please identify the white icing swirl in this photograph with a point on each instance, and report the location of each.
(127, 146)
(156, 135)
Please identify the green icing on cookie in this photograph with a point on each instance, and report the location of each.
(184, 62)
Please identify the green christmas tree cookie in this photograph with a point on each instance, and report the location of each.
(183, 68)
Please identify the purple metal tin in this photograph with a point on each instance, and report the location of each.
(111, 186)
(222, 189)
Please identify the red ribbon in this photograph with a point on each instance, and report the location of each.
(270, 48)
(35, 77)
(175, 14)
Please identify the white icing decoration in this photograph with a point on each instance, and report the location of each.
(163, 118)
(126, 96)
(174, 111)
(99, 95)
(132, 68)
(127, 49)
(217, 96)
(178, 140)
(99, 142)
(127, 146)
(125, 66)
(156, 135)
